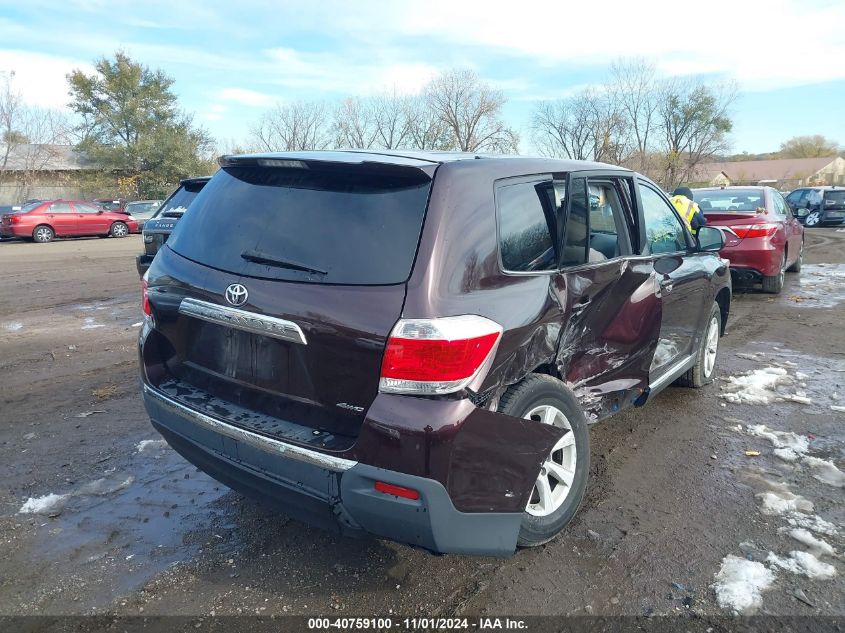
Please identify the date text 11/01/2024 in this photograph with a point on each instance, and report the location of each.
(415, 624)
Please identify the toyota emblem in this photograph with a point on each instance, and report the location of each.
(236, 294)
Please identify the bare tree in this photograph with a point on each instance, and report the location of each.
(301, 125)
(693, 123)
(31, 138)
(634, 88)
(472, 110)
(355, 123)
(587, 126)
(390, 115)
(426, 129)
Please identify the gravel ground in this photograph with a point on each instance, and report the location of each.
(673, 496)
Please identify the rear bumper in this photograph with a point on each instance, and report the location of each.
(753, 260)
(331, 492)
(14, 231)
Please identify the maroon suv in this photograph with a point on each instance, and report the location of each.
(413, 345)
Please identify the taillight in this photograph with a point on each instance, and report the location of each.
(145, 298)
(14, 219)
(397, 491)
(436, 356)
(755, 230)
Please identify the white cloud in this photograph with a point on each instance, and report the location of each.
(41, 79)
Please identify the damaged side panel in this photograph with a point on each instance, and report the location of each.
(612, 315)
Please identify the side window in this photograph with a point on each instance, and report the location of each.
(663, 229)
(526, 213)
(577, 225)
(795, 196)
(780, 205)
(60, 207)
(86, 208)
(608, 235)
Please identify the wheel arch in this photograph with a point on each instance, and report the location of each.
(723, 300)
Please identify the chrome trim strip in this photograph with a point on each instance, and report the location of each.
(283, 449)
(243, 320)
(672, 373)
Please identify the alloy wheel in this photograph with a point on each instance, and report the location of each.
(711, 346)
(43, 234)
(120, 230)
(813, 219)
(558, 470)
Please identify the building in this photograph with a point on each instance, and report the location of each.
(45, 172)
(786, 173)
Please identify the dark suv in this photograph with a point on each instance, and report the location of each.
(157, 229)
(413, 345)
(815, 206)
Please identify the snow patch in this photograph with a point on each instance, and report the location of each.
(138, 324)
(788, 445)
(48, 504)
(803, 564)
(823, 283)
(837, 408)
(781, 502)
(143, 445)
(825, 471)
(54, 504)
(740, 583)
(812, 522)
(816, 545)
(91, 323)
(14, 327)
(755, 387)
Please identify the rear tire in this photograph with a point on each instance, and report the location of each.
(704, 370)
(535, 398)
(43, 234)
(813, 219)
(119, 229)
(773, 285)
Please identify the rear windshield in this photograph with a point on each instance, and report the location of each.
(729, 200)
(142, 208)
(327, 223)
(834, 199)
(180, 200)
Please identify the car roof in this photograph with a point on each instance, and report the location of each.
(414, 158)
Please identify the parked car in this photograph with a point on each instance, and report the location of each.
(117, 205)
(43, 221)
(763, 239)
(815, 206)
(413, 345)
(142, 210)
(158, 228)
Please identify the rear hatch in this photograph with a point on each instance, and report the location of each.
(323, 251)
(834, 204)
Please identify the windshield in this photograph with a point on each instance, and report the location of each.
(323, 224)
(730, 200)
(142, 209)
(180, 200)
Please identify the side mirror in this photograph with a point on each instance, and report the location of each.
(710, 239)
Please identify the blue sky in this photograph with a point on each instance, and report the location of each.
(231, 61)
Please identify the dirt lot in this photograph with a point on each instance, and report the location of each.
(672, 491)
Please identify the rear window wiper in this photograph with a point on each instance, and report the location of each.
(260, 258)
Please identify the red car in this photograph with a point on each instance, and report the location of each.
(42, 221)
(763, 240)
